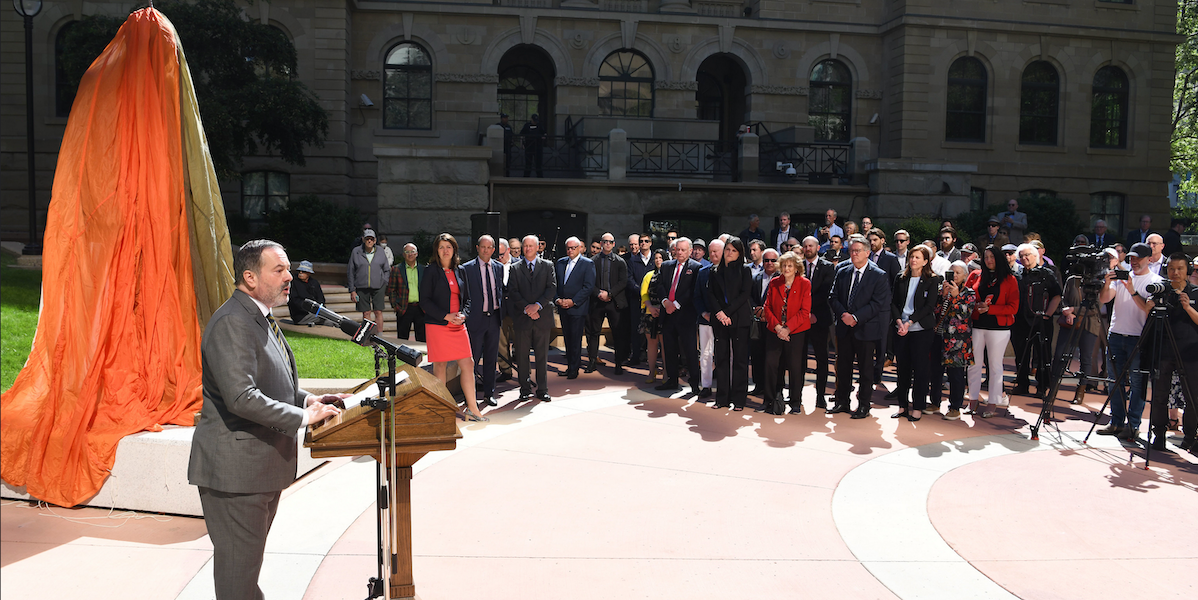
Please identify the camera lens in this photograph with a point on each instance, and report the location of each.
(1157, 287)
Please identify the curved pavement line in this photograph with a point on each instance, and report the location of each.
(905, 554)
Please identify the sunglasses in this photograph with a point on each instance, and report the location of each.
(773, 260)
(901, 240)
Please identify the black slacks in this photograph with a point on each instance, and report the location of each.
(913, 352)
(849, 350)
(731, 347)
(615, 324)
(412, 318)
(780, 357)
(680, 338)
(817, 337)
(484, 344)
(537, 340)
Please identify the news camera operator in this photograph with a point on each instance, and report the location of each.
(1039, 295)
(1179, 296)
(1128, 315)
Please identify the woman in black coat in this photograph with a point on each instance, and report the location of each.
(916, 293)
(728, 291)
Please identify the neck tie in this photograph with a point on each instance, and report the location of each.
(485, 269)
(605, 284)
(569, 269)
(853, 286)
(529, 263)
(810, 269)
(674, 286)
(274, 330)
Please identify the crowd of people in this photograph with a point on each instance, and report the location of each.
(757, 309)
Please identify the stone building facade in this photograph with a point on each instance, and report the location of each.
(881, 107)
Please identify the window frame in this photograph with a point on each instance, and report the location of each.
(270, 201)
(1114, 220)
(409, 100)
(624, 79)
(1122, 96)
(1048, 118)
(983, 89)
(831, 87)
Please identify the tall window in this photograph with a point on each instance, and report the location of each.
(626, 85)
(522, 93)
(831, 101)
(408, 88)
(264, 192)
(1038, 104)
(1038, 193)
(966, 115)
(1108, 206)
(64, 91)
(977, 198)
(1108, 110)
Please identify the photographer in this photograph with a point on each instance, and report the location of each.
(1075, 317)
(1039, 295)
(1128, 315)
(1180, 297)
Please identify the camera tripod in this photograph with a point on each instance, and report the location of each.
(1087, 308)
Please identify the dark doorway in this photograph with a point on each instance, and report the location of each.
(721, 96)
(688, 224)
(526, 86)
(552, 226)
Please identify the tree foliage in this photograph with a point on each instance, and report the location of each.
(295, 227)
(243, 75)
(1185, 96)
(1055, 219)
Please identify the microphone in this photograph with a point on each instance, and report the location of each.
(364, 334)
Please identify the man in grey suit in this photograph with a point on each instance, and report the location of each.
(531, 289)
(243, 452)
(484, 278)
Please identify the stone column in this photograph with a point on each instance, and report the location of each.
(748, 157)
(617, 154)
(859, 154)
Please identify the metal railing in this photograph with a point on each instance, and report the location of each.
(697, 158)
(813, 163)
(566, 156)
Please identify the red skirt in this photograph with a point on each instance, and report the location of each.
(447, 342)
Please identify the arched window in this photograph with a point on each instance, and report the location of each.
(522, 93)
(64, 91)
(1108, 110)
(1038, 104)
(965, 120)
(831, 101)
(626, 85)
(408, 88)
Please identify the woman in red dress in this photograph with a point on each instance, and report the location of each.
(446, 302)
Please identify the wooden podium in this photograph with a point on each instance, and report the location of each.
(422, 417)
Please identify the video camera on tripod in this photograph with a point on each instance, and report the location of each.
(1162, 295)
(1090, 264)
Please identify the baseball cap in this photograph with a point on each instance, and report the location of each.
(1010, 248)
(1140, 250)
(970, 248)
(369, 233)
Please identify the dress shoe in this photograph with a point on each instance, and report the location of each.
(796, 410)
(704, 393)
(502, 377)
(1158, 445)
(524, 397)
(592, 367)
(618, 370)
(489, 401)
(572, 375)
(913, 418)
(669, 384)
(695, 391)
(544, 397)
(1110, 430)
(837, 408)
(562, 373)
(861, 413)
(1188, 442)
(902, 414)
(1020, 390)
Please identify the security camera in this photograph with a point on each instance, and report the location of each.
(873, 119)
(365, 101)
(790, 168)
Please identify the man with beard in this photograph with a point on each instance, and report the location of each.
(821, 273)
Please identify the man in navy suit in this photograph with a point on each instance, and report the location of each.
(484, 280)
(859, 298)
(1140, 236)
(608, 301)
(640, 262)
(1101, 238)
(531, 288)
(576, 281)
(889, 263)
(821, 273)
(679, 321)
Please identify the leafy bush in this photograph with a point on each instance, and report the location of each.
(1055, 219)
(316, 230)
(920, 228)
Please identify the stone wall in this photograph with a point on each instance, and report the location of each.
(431, 189)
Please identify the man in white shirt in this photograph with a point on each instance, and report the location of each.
(902, 243)
(824, 234)
(781, 234)
(756, 250)
(504, 361)
(1128, 316)
(1156, 262)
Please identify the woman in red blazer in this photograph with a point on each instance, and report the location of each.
(993, 315)
(787, 314)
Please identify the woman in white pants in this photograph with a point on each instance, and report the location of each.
(993, 315)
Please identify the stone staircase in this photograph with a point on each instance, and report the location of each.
(337, 300)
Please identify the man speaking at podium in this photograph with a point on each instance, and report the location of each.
(243, 452)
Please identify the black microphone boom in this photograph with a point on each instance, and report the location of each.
(364, 334)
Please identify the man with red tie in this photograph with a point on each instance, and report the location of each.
(680, 322)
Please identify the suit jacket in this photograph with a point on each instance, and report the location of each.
(636, 275)
(983, 240)
(728, 291)
(435, 294)
(578, 287)
(870, 304)
(760, 286)
(398, 286)
(821, 286)
(797, 301)
(1133, 237)
(684, 295)
(927, 296)
(618, 279)
(888, 262)
(524, 288)
(474, 283)
(245, 440)
(1107, 239)
(772, 241)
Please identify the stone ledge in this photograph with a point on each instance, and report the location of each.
(443, 152)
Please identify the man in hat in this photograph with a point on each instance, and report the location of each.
(699, 252)
(305, 287)
(533, 136)
(1011, 252)
(969, 254)
(993, 236)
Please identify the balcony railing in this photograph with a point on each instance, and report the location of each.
(708, 159)
(813, 163)
(561, 156)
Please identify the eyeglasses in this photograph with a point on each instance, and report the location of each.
(858, 251)
(901, 240)
(409, 252)
(991, 224)
(646, 241)
(671, 237)
(946, 238)
(769, 260)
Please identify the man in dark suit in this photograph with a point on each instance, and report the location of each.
(640, 263)
(1101, 238)
(243, 452)
(1172, 238)
(1140, 236)
(889, 263)
(403, 288)
(761, 282)
(679, 321)
(859, 298)
(608, 301)
(531, 289)
(782, 233)
(821, 273)
(484, 281)
(576, 281)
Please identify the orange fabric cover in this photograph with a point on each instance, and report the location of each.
(117, 347)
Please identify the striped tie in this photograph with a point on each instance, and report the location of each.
(274, 329)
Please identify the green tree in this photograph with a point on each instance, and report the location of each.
(339, 229)
(244, 79)
(1055, 219)
(1185, 97)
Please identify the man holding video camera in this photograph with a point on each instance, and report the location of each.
(1128, 315)
(1180, 296)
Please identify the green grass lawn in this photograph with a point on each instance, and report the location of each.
(20, 291)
